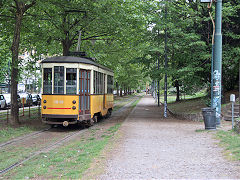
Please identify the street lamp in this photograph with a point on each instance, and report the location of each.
(217, 62)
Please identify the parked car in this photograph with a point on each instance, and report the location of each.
(29, 100)
(7, 97)
(36, 99)
(3, 103)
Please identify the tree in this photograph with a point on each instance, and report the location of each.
(18, 8)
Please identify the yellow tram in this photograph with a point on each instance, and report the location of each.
(74, 90)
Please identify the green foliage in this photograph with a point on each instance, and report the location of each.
(128, 37)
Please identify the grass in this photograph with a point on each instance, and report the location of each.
(68, 162)
(10, 133)
(187, 106)
(118, 106)
(9, 156)
(231, 142)
(136, 102)
(200, 130)
(172, 98)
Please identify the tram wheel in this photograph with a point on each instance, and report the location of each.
(95, 119)
(109, 113)
(88, 123)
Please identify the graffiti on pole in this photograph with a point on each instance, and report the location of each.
(217, 92)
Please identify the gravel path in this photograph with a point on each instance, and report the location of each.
(152, 148)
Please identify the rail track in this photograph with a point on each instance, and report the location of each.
(53, 145)
(22, 138)
(44, 149)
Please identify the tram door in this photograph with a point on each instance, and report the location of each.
(84, 91)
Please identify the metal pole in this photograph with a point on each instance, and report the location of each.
(239, 89)
(217, 64)
(232, 115)
(165, 66)
(158, 85)
(212, 76)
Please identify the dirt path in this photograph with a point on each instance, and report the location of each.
(152, 148)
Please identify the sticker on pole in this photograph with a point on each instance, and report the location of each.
(216, 88)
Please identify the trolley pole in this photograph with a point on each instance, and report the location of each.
(217, 63)
(165, 66)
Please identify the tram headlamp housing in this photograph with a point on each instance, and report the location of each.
(44, 101)
(74, 102)
(44, 107)
(74, 107)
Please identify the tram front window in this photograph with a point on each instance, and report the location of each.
(47, 81)
(71, 80)
(58, 79)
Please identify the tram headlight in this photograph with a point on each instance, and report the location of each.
(74, 107)
(74, 102)
(44, 101)
(44, 107)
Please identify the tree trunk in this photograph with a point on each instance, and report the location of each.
(178, 90)
(120, 92)
(117, 88)
(21, 7)
(66, 43)
(14, 120)
(239, 88)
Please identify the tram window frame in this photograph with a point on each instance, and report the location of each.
(94, 82)
(71, 84)
(98, 83)
(109, 84)
(59, 81)
(47, 80)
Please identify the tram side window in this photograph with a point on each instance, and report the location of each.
(47, 81)
(71, 80)
(58, 79)
(109, 84)
(98, 83)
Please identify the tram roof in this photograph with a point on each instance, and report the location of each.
(72, 59)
